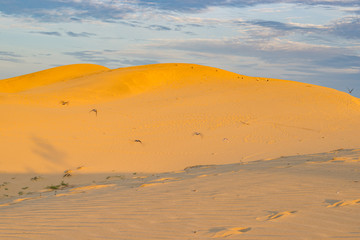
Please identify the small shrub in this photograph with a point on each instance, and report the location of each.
(35, 178)
(64, 184)
(53, 187)
(60, 186)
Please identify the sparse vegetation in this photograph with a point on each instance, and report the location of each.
(62, 102)
(67, 173)
(62, 185)
(94, 110)
(53, 187)
(198, 134)
(198, 166)
(35, 178)
(20, 193)
(350, 90)
(117, 176)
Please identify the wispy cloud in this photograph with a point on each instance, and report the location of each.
(341, 61)
(281, 26)
(9, 54)
(158, 28)
(10, 57)
(274, 51)
(109, 10)
(109, 57)
(347, 28)
(57, 34)
(97, 57)
(82, 34)
(67, 11)
(195, 6)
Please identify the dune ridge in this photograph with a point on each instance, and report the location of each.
(48, 76)
(89, 83)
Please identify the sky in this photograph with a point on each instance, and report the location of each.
(312, 41)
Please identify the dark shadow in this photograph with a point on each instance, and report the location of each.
(47, 151)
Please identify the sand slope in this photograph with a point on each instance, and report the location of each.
(176, 151)
(164, 117)
(299, 197)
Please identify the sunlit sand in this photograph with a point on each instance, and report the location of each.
(176, 151)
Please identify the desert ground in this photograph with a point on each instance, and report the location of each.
(176, 151)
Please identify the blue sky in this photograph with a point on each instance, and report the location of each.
(313, 41)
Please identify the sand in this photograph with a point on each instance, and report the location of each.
(176, 151)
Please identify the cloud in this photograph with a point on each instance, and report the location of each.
(109, 58)
(281, 26)
(10, 57)
(82, 34)
(275, 51)
(199, 5)
(347, 28)
(341, 61)
(9, 54)
(109, 10)
(158, 28)
(97, 57)
(67, 11)
(57, 34)
(138, 62)
(71, 34)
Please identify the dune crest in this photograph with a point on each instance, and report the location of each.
(91, 84)
(47, 77)
(80, 83)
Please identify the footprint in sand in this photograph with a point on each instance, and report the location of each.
(222, 232)
(275, 215)
(344, 203)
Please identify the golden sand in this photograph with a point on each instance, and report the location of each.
(176, 151)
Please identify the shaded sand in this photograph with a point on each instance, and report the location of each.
(176, 151)
(283, 198)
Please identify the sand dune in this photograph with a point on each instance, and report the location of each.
(165, 117)
(151, 148)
